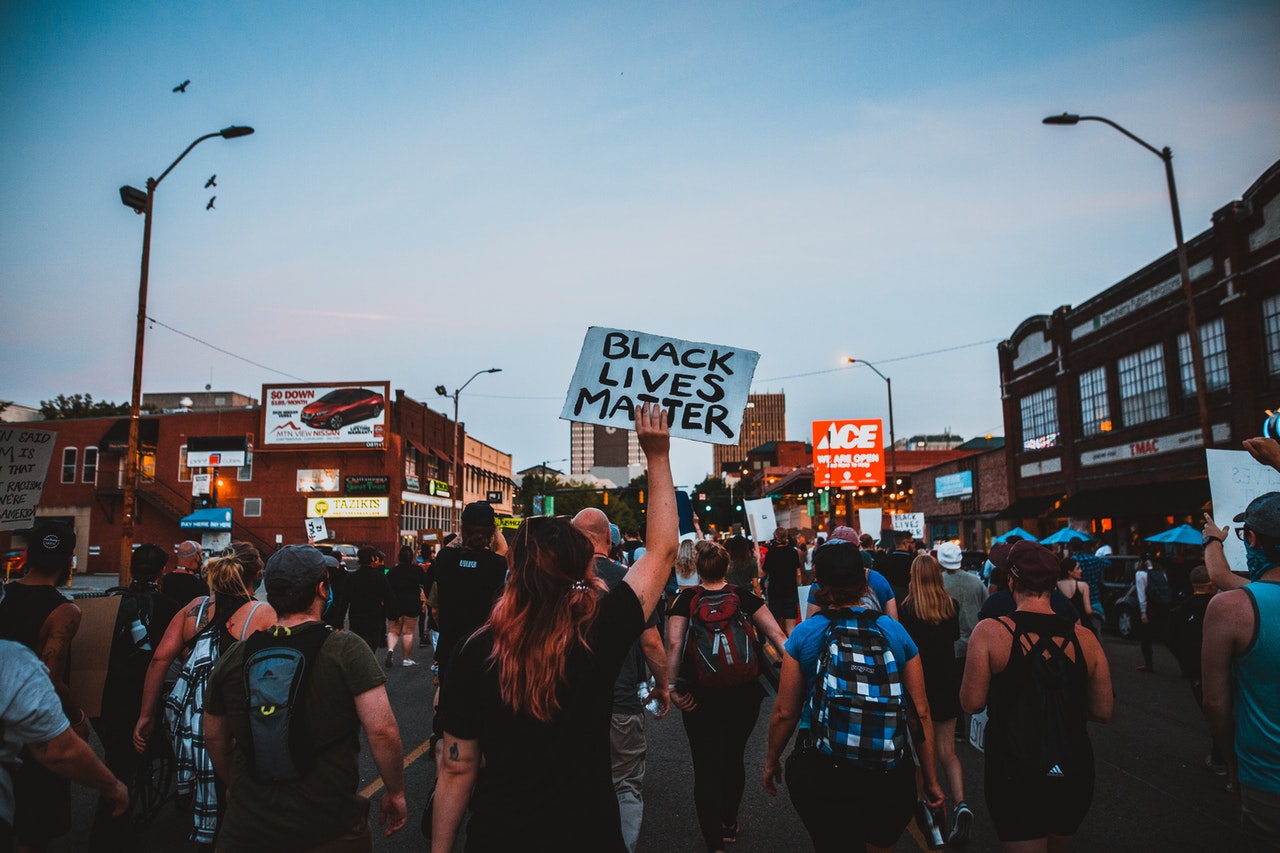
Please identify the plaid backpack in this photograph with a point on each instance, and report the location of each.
(720, 647)
(858, 710)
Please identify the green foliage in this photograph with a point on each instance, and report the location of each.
(79, 406)
(722, 501)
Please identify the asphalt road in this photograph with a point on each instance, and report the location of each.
(1152, 793)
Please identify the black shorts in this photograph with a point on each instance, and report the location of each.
(42, 803)
(844, 806)
(1026, 809)
(787, 608)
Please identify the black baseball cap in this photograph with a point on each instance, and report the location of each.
(294, 566)
(478, 514)
(1262, 515)
(50, 545)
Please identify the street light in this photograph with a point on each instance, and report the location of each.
(1193, 326)
(143, 203)
(542, 469)
(893, 440)
(457, 451)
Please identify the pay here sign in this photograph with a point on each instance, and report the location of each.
(848, 453)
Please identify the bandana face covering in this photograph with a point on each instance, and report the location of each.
(1259, 562)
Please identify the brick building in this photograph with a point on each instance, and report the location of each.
(963, 498)
(1099, 400)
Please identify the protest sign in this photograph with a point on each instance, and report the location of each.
(847, 454)
(24, 462)
(760, 519)
(869, 521)
(91, 651)
(703, 386)
(1236, 478)
(317, 531)
(912, 522)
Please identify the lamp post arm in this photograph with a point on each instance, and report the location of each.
(1165, 155)
(184, 154)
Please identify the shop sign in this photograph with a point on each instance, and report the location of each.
(366, 485)
(439, 488)
(412, 482)
(318, 479)
(848, 453)
(1041, 466)
(348, 507)
(1152, 446)
(958, 485)
(493, 497)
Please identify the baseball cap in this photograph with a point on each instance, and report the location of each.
(50, 544)
(1262, 515)
(999, 556)
(294, 566)
(949, 555)
(615, 535)
(1033, 566)
(477, 514)
(844, 533)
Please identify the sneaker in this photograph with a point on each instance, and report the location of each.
(408, 662)
(390, 658)
(1217, 768)
(961, 825)
(728, 832)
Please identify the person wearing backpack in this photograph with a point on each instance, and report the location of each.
(848, 677)
(712, 646)
(283, 714)
(1154, 598)
(1040, 677)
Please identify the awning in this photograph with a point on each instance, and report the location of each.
(212, 518)
(1028, 507)
(1183, 497)
(116, 439)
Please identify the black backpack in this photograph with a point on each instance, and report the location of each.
(133, 621)
(1158, 589)
(277, 666)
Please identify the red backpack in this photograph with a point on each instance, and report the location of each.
(720, 646)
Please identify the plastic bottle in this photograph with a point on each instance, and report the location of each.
(929, 821)
(139, 633)
(644, 690)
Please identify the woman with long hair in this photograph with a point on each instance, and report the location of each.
(199, 633)
(686, 566)
(532, 690)
(1071, 584)
(932, 618)
(717, 720)
(406, 579)
(744, 568)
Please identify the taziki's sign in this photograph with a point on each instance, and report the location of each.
(348, 507)
(847, 454)
(338, 414)
(703, 386)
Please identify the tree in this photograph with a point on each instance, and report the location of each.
(724, 505)
(79, 406)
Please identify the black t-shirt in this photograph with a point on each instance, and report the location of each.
(1001, 603)
(545, 785)
(467, 584)
(682, 606)
(780, 566)
(625, 698)
(406, 582)
(368, 594)
(896, 568)
(183, 587)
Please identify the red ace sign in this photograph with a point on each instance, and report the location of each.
(848, 454)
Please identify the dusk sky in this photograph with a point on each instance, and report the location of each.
(438, 188)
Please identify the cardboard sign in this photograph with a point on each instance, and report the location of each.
(912, 522)
(760, 519)
(703, 386)
(24, 462)
(316, 530)
(847, 454)
(1236, 478)
(91, 651)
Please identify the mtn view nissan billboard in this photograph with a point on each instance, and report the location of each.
(337, 414)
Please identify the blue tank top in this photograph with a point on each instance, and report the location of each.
(1256, 686)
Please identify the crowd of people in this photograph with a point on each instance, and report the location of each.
(551, 650)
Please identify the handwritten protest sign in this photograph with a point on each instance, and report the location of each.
(703, 386)
(1235, 479)
(911, 522)
(24, 462)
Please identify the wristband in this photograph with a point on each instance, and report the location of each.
(79, 721)
(1204, 543)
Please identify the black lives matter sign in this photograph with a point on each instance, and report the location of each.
(703, 386)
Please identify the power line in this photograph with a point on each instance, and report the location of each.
(880, 361)
(223, 351)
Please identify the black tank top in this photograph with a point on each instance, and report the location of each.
(23, 612)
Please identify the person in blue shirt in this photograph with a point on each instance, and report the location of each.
(878, 595)
(844, 804)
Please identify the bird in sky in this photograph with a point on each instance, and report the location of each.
(212, 182)
(209, 206)
(181, 87)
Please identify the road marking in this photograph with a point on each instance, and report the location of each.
(376, 785)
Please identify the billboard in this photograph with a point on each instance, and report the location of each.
(953, 485)
(351, 414)
(848, 454)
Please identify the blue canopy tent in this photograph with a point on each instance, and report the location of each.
(1017, 531)
(1065, 535)
(1183, 534)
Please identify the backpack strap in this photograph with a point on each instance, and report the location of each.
(244, 629)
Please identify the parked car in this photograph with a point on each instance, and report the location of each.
(344, 554)
(1122, 615)
(973, 561)
(343, 406)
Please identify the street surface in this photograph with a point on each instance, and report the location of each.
(1153, 791)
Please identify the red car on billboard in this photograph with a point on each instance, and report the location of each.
(343, 406)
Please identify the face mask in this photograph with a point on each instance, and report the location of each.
(1259, 562)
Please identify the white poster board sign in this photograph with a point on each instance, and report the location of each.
(316, 530)
(760, 519)
(1235, 478)
(912, 522)
(201, 484)
(869, 522)
(703, 386)
(24, 462)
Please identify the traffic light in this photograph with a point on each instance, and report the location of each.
(642, 496)
(708, 507)
(606, 497)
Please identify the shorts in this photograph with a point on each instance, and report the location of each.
(845, 806)
(42, 803)
(787, 608)
(1027, 809)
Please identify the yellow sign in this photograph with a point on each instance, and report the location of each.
(510, 523)
(348, 507)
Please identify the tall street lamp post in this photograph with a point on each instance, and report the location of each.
(142, 203)
(1193, 326)
(543, 486)
(456, 496)
(893, 440)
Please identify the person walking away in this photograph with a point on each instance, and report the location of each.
(368, 595)
(846, 678)
(144, 614)
(744, 569)
(932, 618)
(626, 734)
(406, 581)
(711, 638)
(1001, 601)
(39, 617)
(1241, 673)
(531, 691)
(32, 722)
(1071, 585)
(896, 565)
(183, 584)
(1092, 567)
(781, 570)
(970, 594)
(1040, 677)
(310, 801)
(879, 595)
(201, 634)
(1154, 598)
(686, 573)
(1186, 641)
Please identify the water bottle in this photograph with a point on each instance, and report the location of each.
(930, 820)
(139, 633)
(644, 690)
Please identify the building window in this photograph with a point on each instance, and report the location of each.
(68, 465)
(89, 472)
(253, 507)
(1213, 348)
(1271, 325)
(1040, 420)
(184, 473)
(1095, 409)
(1142, 386)
(244, 473)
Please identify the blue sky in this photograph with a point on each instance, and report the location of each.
(438, 188)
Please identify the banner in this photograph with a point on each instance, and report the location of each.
(318, 479)
(24, 462)
(352, 414)
(1235, 479)
(703, 386)
(847, 454)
